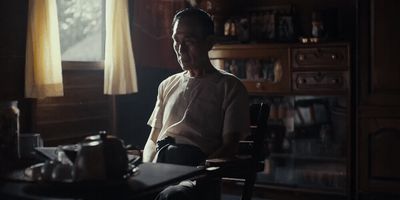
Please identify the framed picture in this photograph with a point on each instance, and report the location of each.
(265, 23)
(285, 28)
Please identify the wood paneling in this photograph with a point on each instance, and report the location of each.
(83, 110)
(378, 108)
(13, 22)
(378, 50)
(152, 31)
(385, 41)
(379, 148)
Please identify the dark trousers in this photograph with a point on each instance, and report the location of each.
(170, 152)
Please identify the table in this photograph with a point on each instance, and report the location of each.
(152, 177)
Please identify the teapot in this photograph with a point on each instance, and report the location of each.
(100, 157)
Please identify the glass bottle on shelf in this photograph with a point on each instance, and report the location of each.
(234, 68)
(286, 110)
(273, 114)
(278, 71)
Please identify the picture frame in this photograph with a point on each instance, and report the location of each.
(285, 29)
(253, 69)
(265, 23)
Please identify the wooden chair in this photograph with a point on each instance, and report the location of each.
(249, 160)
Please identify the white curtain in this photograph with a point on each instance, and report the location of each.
(43, 72)
(119, 64)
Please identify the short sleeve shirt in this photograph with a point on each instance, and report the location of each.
(199, 111)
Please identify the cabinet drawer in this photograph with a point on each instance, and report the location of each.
(320, 57)
(322, 80)
(255, 87)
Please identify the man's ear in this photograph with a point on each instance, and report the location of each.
(210, 40)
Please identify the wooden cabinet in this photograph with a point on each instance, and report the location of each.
(261, 67)
(307, 87)
(321, 67)
(378, 105)
(284, 68)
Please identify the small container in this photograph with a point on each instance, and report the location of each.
(273, 113)
(227, 28)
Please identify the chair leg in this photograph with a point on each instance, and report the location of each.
(248, 187)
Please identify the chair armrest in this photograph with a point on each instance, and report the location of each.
(234, 167)
(228, 162)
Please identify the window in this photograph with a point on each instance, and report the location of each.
(82, 30)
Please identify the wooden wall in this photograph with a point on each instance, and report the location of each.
(13, 22)
(82, 111)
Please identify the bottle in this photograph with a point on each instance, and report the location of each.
(282, 109)
(232, 28)
(317, 25)
(227, 28)
(9, 130)
(273, 113)
(278, 71)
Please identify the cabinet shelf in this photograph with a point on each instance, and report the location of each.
(295, 188)
(307, 157)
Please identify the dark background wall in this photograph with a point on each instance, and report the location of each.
(134, 110)
(13, 21)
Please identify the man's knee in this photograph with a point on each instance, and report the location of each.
(176, 192)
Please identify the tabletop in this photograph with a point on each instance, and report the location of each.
(151, 178)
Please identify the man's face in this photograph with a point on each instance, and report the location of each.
(190, 46)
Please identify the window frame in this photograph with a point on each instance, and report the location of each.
(88, 65)
(82, 65)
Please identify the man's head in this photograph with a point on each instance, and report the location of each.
(199, 17)
(192, 35)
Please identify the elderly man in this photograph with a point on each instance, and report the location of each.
(200, 113)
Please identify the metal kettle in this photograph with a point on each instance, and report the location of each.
(100, 157)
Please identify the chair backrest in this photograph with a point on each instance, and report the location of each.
(251, 152)
(259, 114)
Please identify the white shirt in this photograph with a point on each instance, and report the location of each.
(198, 111)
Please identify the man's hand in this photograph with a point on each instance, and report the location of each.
(150, 148)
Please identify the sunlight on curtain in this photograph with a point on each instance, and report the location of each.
(43, 72)
(119, 64)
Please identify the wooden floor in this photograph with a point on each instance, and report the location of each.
(234, 197)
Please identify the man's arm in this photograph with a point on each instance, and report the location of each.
(230, 144)
(236, 121)
(150, 148)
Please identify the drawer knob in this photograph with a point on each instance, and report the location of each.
(335, 81)
(301, 57)
(258, 85)
(333, 56)
(301, 81)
